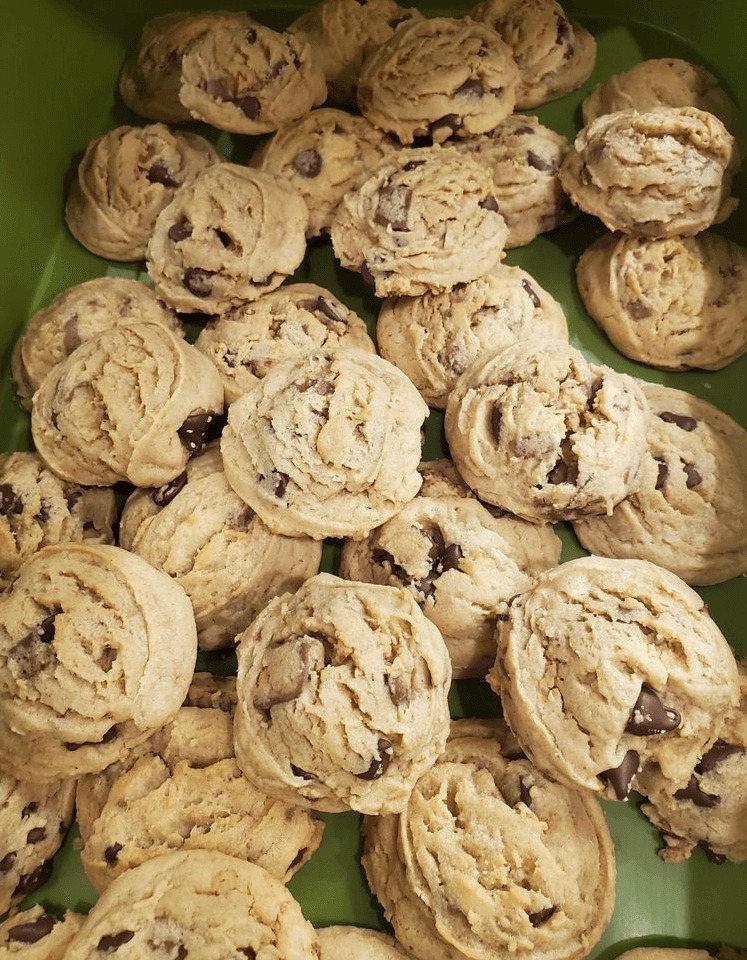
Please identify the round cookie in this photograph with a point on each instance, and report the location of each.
(438, 77)
(34, 934)
(246, 342)
(342, 696)
(326, 445)
(689, 513)
(202, 904)
(433, 338)
(490, 858)
(340, 942)
(708, 810)
(125, 179)
(674, 303)
(342, 34)
(607, 666)
(151, 75)
(75, 315)
(524, 157)
(203, 535)
(249, 79)
(554, 54)
(97, 649)
(34, 818)
(131, 403)
(183, 790)
(462, 566)
(323, 154)
(231, 235)
(545, 434)
(665, 172)
(38, 508)
(405, 228)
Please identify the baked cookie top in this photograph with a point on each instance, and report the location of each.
(34, 934)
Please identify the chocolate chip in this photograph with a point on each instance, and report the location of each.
(192, 431)
(398, 689)
(111, 853)
(620, 778)
(106, 658)
(111, 734)
(111, 942)
(566, 466)
(496, 419)
(198, 281)
(393, 206)
(327, 310)
(694, 794)
(32, 654)
(693, 476)
(366, 275)
(249, 106)
(225, 238)
(564, 36)
(299, 772)
(541, 164)
(412, 165)
(34, 930)
(379, 765)
(285, 673)
(650, 716)
(29, 809)
(662, 474)
(538, 917)
(718, 752)
(280, 483)
(32, 881)
(531, 293)
(251, 35)
(10, 502)
(249, 952)
(180, 230)
(680, 420)
(450, 122)
(520, 131)
(308, 163)
(638, 309)
(159, 173)
(36, 835)
(6, 864)
(451, 557)
(164, 494)
(218, 88)
(470, 88)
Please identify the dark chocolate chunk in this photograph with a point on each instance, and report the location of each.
(219, 88)
(249, 106)
(489, 203)
(650, 716)
(308, 163)
(10, 502)
(393, 206)
(531, 293)
(638, 309)
(303, 774)
(718, 752)
(694, 794)
(192, 431)
(470, 88)
(36, 835)
(198, 281)
(34, 930)
(225, 238)
(111, 942)
(159, 173)
(398, 689)
(496, 419)
(540, 916)
(620, 778)
(32, 881)
(29, 809)
(106, 658)
(693, 476)
(180, 230)
(680, 420)
(662, 474)
(251, 35)
(451, 556)
(280, 483)
(450, 122)
(327, 310)
(366, 274)
(111, 853)
(6, 864)
(164, 494)
(564, 37)
(541, 164)
(379, 765)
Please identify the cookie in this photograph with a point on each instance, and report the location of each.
(151, 75)
(524, 157)
(34, 818)
(326, 445)
(246, 342)
(340, 942)
(689, 513)
(97, 649)
(554, 53)
(605, 667)
(76, 314)
(545, 434)
(674, 303)
(195, 903)
(125, 179)
(231, 235)
(131, 403)
(34, 934)
(665, 172)
(202, 534)
(38, 508)
(462, 566)
(405, 228)
(342, 34)
(342, 696)
(433, 338)
(183, 790)
(490, 858)
(438, 77)
(323, 154)
(709, 809)
(665, 953)
(249, 79)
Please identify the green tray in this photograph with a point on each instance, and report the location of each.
(59, 62)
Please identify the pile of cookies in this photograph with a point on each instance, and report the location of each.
(229, 462)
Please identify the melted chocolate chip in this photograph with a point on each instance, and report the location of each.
(650, 716)
(718, 752)
(496, 419)
(198, 281)
(470, 88)
(564, 37)
(638, 309)
(111, 854)
(180, 230)
(280, 483)
(379, 765)
(694, 794)
(531, 293)
(398, 689)
(34, 930)
(540, 163)
(225, 238)
(192, 431)
(164, 494)
(693, 476)
(218, 88)
(10, 502)
(489, 203)
(662, 474)
(159, 173)
(106, 658)
(249, 106)
(366, 274)
(680, 420)
(540, 916)
(450, 122)
(327, 310)
(29, 809)
(393, 207)
(566, 466)
(251, 35)
(308, 163)
(32, 653)
(36, 835)
(303, 774)
(620, 778)
(111, 942)
(6, 864)
(32, 881)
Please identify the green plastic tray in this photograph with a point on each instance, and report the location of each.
(59, 62)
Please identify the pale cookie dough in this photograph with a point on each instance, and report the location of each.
(607, 666)
(151, 75)
(125, 179)
(489, 858)
(524, 157)
(38, 508)
(461, 564)
(342, 696)
(131, 403)
(690, 512)
(438, 77)
(674, 303)
(229, 236)
(183, 790)
(75, 315)
(708, 810)
(323, 154)
(341, 942)
(554, 54)
(663, 173)
(327, 445)
(433, 338)
(195, 903)
(246, 342)
(97, 649)
(249, 79)
(34, 818)
(542, 432)
(406, 227)
(344, 33)
(202, 534)
(34, 934)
